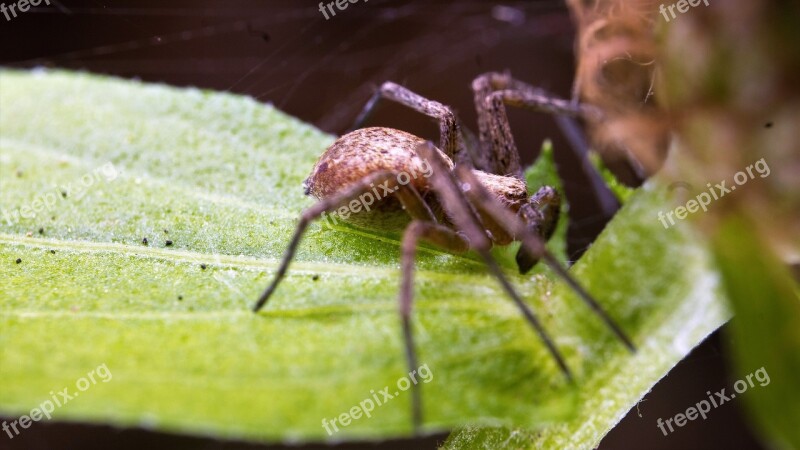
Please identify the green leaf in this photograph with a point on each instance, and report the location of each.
(767, 328)
(543, 170)
(219, 176)
(621, 191)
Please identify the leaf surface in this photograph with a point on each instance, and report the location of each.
(91, 166)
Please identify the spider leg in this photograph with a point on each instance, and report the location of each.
(451, 141)
(534, 244)
(471, 146)
(541, 215)
(466, 220)
(440, 236)
(414, 204)
(407, 195)
(580, 146)
(492, 92)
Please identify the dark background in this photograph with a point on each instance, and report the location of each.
(323, 71)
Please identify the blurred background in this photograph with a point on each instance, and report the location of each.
(322, 72)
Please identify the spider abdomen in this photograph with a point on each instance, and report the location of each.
(366, 151)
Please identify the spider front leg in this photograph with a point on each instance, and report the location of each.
(540, 215)
(466, 220)
(449, 133)
(535, 246)
(492, 92)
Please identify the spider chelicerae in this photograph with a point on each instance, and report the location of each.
(480, 201)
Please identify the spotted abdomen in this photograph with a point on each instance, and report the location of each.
(367, 151)
(364, 152)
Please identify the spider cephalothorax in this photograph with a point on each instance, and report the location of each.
(388, 179)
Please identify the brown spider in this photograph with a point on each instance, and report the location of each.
(479, 202)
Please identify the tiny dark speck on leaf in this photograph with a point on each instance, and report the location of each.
(19, 260)
(165, 231)
(53, 252)
(168, 243)
(180, 297)
(19, 173)
(144, 241)
(203, 266)
(315, 277)
(64, 194)
(41, 230)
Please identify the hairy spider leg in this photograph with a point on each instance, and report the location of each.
(466, 220)
(441, 237)
(450, 139)
(408, 196)
(492, 92)
(423, 226)
(479, 196)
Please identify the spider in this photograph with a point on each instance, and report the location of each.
(480, 201)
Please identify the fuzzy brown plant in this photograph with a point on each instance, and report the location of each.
(616, 70)
(720, 85)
